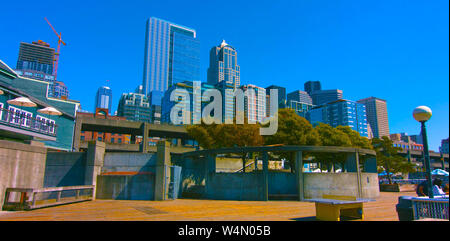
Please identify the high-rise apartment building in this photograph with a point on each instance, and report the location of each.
(193, 110)
(35, 61)
(172, 55)
(254, 103)
(300, 96)
(223, 66)
(340, 113)
(444, 146)
(135, 107)
(321, 97)
(103, 98)
(377, 116)
(300, 102)
(312, 86)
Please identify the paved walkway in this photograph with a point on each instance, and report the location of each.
(190, 210)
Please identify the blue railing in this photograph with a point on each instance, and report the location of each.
(433, 208)
(25, 121)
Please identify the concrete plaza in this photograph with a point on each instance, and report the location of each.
(383, 209)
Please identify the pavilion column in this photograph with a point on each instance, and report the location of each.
(265, 183)
(352, 165)
(210, 169)
(299, 174)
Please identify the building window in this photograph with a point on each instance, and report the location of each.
(99, 138)
(82, 138)
(112, 140)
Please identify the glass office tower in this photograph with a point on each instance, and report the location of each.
(340, 113)
(103, 99)
(172, 55)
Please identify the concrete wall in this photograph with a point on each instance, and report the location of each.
(318, 184)
(21, 165)
(282, 183)
(192, 176)
(65, 169)
(122, 187)
(126, 162)
(235, 186)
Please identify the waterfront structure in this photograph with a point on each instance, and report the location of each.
(103, 98)
(312, 86)
(404, 141)
(135, 107)
(172, 55)
(35, 61)
(223, 66)
(254, 103)
(444, 146)
(28, 123)
(340, 113)
(193, 110)
(377, 116)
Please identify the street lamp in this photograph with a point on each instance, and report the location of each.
(422, 114)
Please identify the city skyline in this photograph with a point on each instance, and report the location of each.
(400, 57)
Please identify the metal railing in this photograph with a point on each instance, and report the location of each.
(25, 121)
(402, 181)
(33, 198)
(434, 208)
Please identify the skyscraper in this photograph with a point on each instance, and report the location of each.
(340, 113)
(300, 101)
(377, 116)
(312, 86)
(321, 97)
(172, 55)
(103, 98)
(35, 61)
(223, 66)
(254, 103)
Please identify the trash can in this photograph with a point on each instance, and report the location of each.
(405, 208)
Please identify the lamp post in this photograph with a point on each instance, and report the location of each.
(422, 114)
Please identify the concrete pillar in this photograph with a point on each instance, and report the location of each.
(162, 176)
(145, 131)
(94, 163)
(299, 174)
(265, 183)
(352, 165)
(210, 169)
(77, 134)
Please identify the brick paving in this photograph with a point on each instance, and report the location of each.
(383, 209)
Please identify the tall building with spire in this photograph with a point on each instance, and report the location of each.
(172, 55)
(223, 66)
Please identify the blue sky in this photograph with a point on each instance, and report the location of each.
(395, 50)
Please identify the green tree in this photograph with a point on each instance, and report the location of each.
(292, 130)
(227, 135)
(388, 158)
(330, 136)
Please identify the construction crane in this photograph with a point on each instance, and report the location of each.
(60, 41)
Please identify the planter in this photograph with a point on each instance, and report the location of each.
(397, 187)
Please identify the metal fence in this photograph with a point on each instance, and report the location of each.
(33, 198)
(402, 181)
(434, 208)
